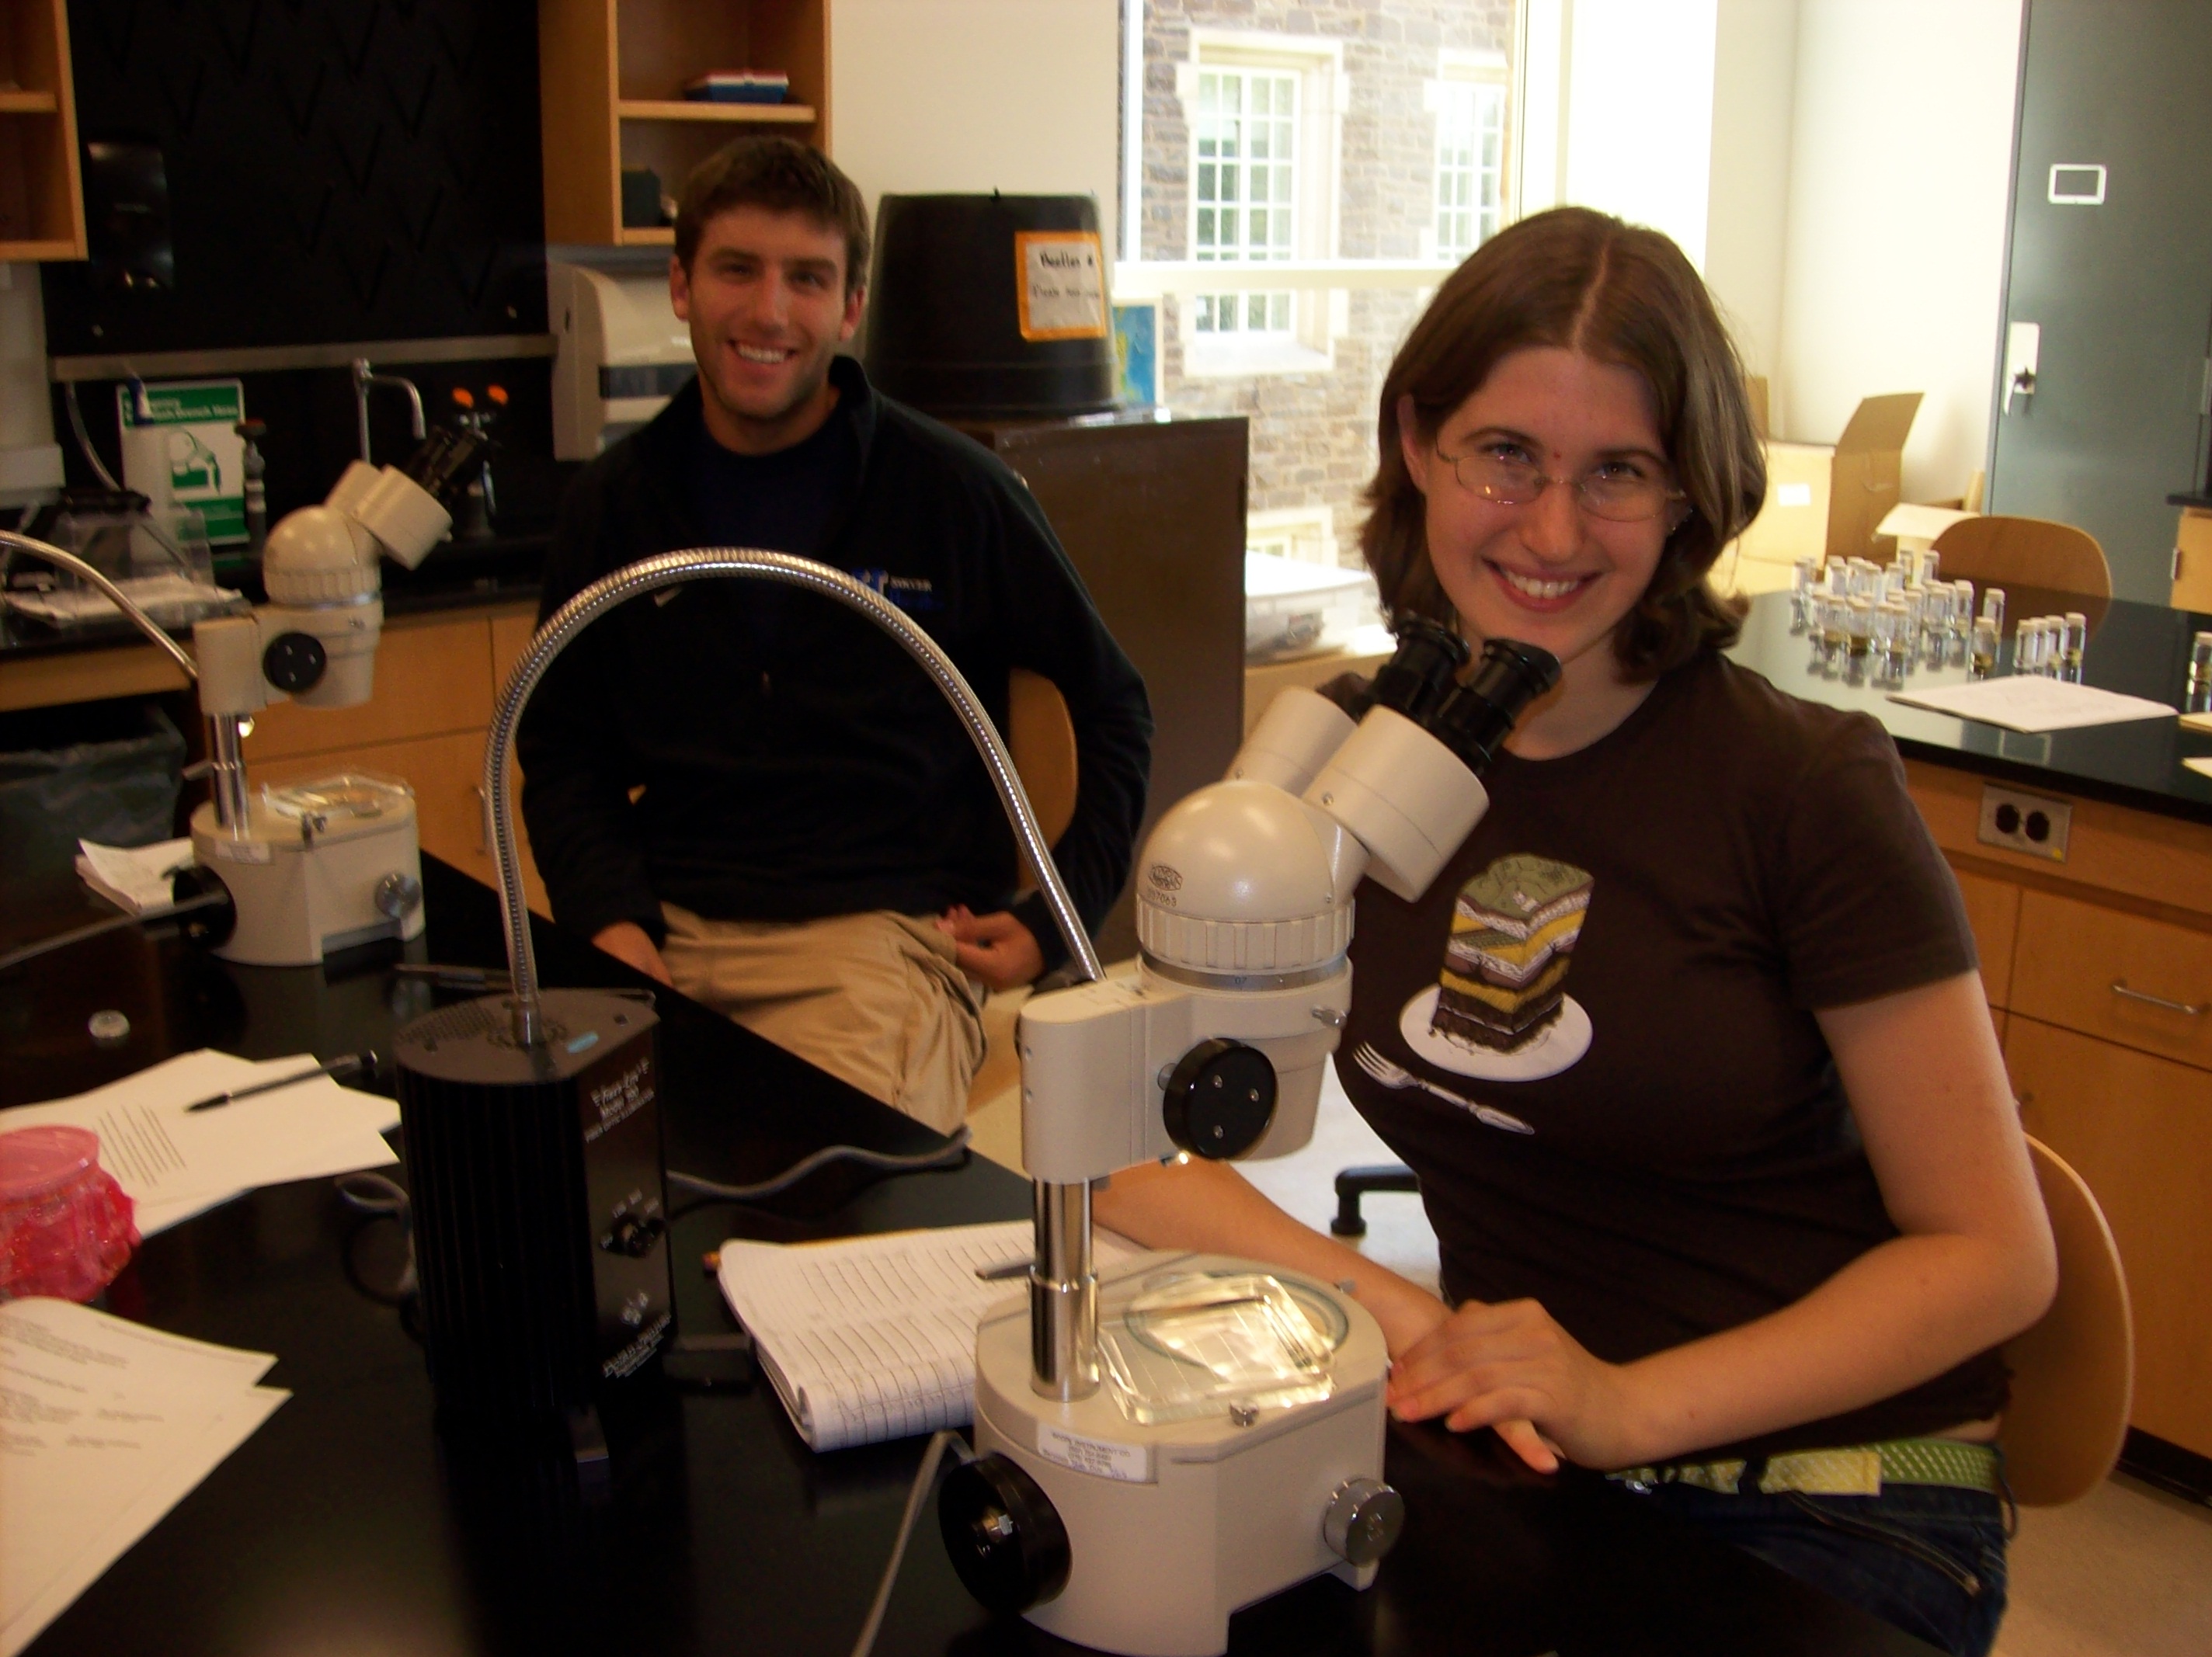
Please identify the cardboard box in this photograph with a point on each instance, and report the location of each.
(1824, 501)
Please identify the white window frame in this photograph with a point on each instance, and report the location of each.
(1306, 346)
(1470, 79)
(1305, 534)
(1249, 180)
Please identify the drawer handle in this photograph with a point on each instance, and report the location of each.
(483, 820)
(2120, 987)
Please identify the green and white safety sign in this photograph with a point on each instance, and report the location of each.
(182, 452)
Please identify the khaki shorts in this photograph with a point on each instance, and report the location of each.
(876, 998)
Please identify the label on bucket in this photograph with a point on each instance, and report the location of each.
(1060, 277)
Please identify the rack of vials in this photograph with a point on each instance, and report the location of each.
(1883, 622)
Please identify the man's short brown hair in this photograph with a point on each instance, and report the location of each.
(1582, 280)
(783, 176)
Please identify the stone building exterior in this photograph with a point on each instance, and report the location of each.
(1374, 79)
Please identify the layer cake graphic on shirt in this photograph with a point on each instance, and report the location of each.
(1513, 935)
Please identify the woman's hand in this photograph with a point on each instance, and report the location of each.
(1512, 1366)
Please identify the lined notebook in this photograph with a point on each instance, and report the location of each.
(873, 1337)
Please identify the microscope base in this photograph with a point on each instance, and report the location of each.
(1171, 1527)
(301, 897)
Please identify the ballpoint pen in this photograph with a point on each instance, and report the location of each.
(344, 1065)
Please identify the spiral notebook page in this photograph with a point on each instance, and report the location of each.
(874, 1337)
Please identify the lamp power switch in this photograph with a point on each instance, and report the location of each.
(2030, 825)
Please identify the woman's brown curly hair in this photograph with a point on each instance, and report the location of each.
(1583, 281)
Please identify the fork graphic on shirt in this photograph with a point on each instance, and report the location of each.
(1397, 1076)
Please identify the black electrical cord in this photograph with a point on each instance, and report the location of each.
(924, 1477)
(113, 924)
(953, 1155)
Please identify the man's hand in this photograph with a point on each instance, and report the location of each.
(995, 949)
(631, 945)
(1512, 1367)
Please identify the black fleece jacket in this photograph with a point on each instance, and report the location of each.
(794, 761)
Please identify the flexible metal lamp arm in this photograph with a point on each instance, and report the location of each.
(671, 569)
(76, 566)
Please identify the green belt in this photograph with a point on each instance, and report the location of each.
(1856, 1470)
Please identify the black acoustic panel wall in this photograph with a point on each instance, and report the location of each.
(336, 170)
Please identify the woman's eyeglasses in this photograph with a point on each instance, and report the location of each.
(1617, 490)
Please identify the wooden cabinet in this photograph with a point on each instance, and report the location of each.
(41, 192)
(2192, 559)
(2118, 977)
(2099, 971)
(2139, 1130)
(611, 77)
(436, 676)
(1993, 911)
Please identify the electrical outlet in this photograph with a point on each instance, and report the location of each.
(2027, 823)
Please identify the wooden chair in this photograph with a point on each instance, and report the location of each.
(2074, 1371)
(2025, 552)
(1042, 738)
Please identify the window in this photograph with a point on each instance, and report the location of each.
(1306, 535)
(1470, 165)
(1468, 100)
(1258, 160)
(1244, 184)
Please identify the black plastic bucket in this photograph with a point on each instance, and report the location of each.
(991, 307)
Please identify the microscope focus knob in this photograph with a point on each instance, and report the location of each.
(397, 894)
(1004, 1537)
(1219, 1098)
(1364, 1520)
(294, 662)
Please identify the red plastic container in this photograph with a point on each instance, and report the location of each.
(66, 1225)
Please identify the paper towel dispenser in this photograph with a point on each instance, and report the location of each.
(621, 353)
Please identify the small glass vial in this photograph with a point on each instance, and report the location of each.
(1962, 610)
(1993, 606)
(2200, 662)
(1859, 626)
(1984, 659)
(1838, 575)
(1801, 588)
(1893, 632)
(2076, 641)
(1930, 562)
(2037, 631)
(1835, 614)
(1934, 620)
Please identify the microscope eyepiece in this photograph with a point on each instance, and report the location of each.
(1422, 672)
(1474, 719)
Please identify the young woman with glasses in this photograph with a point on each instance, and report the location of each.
(1687, 1043)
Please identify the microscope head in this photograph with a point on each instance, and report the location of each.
(319, 628)
(1244, 915)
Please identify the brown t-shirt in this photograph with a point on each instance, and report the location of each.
(1617, 974)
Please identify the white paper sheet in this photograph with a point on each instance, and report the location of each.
(134, 877)
(173, 1163)
(2030, 703)
(104, 1425)
(874, 1337)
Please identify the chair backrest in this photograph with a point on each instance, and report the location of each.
(1042, 738)
(2027, 551)
(2074, 1371)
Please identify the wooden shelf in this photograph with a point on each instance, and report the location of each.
(41, 195)
(610, 73)
(655, 235)
(31, 253)
(684, 109)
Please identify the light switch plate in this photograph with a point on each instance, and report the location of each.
(2032, 824)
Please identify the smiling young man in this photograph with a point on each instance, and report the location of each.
(753, 794)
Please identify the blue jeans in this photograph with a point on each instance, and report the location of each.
(1929, 1559)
